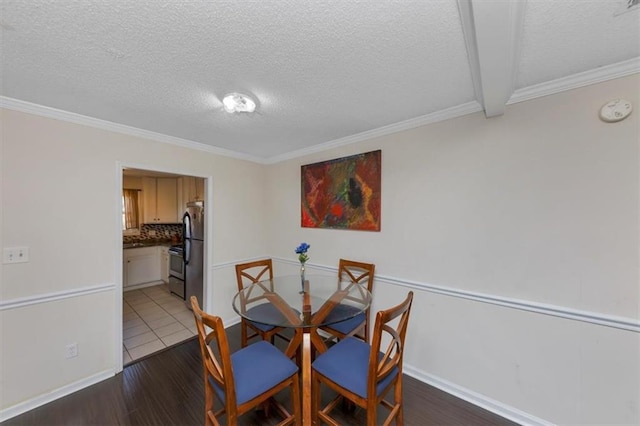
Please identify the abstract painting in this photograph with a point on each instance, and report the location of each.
(343, 193)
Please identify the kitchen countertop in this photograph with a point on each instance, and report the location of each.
(148, 243)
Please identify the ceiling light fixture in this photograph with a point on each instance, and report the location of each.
(237, 102)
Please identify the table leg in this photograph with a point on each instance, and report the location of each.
(306, 379)
(294, 344)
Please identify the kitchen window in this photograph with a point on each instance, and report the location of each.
(130, 209)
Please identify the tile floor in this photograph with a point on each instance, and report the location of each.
(153, 319)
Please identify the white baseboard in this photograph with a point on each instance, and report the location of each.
(139, 286)
(45, 398)
(231, 322)
(477, 399)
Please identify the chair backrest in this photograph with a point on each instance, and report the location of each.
(252, 272)
(217, 369)
(393, 340)
(357, 272)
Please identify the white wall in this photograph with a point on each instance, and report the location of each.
(60, 195)
(536, 210)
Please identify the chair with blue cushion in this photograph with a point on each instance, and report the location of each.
(245, 379)
(365, 373)
(248, 274)
(358, 325)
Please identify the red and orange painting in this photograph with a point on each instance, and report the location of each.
(343, 193)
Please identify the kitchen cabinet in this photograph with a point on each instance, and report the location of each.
(199, 185)
(164, 263)
(182, 196)
(141, 266)
(160, 202)
(192, 189)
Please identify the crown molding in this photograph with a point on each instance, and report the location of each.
(586, 78)
(609, 72)
(605, 73)
(72, 117)
(442, 115)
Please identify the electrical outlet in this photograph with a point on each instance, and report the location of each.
(15, 254)
(72, 350)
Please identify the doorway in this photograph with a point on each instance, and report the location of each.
(155, 315)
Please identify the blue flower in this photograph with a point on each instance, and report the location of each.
(301, 250)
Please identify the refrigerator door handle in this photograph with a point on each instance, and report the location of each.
(187, 251)
(186, 233)
(186, 226)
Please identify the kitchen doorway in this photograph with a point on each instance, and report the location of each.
(155, 312)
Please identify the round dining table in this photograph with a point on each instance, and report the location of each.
(302, 303)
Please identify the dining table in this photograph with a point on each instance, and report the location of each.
(302, 303)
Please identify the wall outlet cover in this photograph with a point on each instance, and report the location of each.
(15, 254)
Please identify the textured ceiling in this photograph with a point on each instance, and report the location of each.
(323, 72)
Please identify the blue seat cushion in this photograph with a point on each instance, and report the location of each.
(256, 369)
(347, 364)
(268, 313)
(342, 311)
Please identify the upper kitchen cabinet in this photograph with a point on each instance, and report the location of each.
(190, 189)
(160, 197)
(199, 184)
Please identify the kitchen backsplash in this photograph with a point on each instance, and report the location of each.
(162, 232)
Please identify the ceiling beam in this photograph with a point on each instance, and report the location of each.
(493, 32)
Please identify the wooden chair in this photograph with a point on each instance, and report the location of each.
(245, 379)
(362, 373)
(248, 274)
(358, 326)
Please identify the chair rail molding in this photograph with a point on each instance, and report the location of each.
(623, 323)
(51, 297)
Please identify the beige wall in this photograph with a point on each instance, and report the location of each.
(490, 222)
(537, 208)
(61, 186)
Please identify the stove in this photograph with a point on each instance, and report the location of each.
(176, 271)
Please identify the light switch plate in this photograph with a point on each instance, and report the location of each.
(15, 255)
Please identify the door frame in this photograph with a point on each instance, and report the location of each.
(208, 246)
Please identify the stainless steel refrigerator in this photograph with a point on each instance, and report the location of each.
(193, 223)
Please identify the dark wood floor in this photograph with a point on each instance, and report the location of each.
(166, 389)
